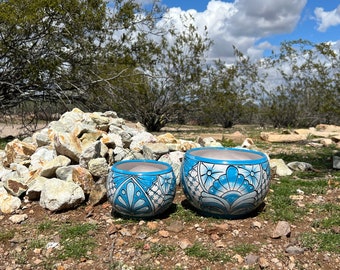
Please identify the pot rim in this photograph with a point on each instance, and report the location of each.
(262, 156)
(168, 168)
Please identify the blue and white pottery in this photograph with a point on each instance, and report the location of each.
(141, 188)
(225, 182)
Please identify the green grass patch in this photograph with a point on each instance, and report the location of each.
(161, 249)
(73, 231)
(76, 241)
(324, 241)
(3, 143)
(330, 213)
(21, 257)
(6, 235)
(37, 243)
(280, 205)
(244, 249)
(327, 222)
(319, 158)
(46, 225)
(316, 186)
(74, 238)
(201, 251)
(185, 214)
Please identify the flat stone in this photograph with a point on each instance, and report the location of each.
(18, 218)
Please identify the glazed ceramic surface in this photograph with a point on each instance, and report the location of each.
(225, 182)
(141, 188)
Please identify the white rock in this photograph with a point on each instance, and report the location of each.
(41, 137)
(154, 150)
(280, 168)
(140, 139)
(282, 229)
(35, 187)
(175, 160)
(336, 162)
(51, 166)
(58, 195)
(23, 171)
(98, 167)
(68, 145)
(8, 203)
(41, 157)
(95, 150)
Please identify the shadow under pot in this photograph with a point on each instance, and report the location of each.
(141, 188)
(225, 182)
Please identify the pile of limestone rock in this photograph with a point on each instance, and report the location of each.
(66, 164)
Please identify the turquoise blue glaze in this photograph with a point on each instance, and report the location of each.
(140, 193)
(222, 187)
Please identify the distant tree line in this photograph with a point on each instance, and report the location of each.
(99, 55)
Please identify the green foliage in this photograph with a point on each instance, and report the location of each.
(325, 237)
(228, 91)
(228, 142)
(47, 47)
(114, 55)
(158, 77)
(3, 142)
(37, 243)
(46, 225)
(307, 84)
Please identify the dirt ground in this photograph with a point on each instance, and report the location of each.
(161, 243)
(164, 242)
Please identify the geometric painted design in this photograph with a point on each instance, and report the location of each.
(140, 195)
(225, 190)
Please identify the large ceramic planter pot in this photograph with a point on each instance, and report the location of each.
(225, 182)
(141, 188)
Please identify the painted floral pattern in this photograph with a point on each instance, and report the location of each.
(226, 190)
(140, 196)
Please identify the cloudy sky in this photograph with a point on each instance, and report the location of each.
(257, 26)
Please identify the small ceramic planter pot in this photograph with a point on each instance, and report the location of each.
(225, 182)
(141, 188)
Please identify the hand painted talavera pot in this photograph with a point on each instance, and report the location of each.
(225, 182)
(141, 188)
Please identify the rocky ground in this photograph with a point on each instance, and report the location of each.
(179, 239)
(168, 242)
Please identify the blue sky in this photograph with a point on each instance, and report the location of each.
(256, 26)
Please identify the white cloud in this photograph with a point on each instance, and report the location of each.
(327, 19)
(243, 22)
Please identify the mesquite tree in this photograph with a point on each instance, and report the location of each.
(306, 89)
(159, 71)
(230, 91)
(46, 48)
(97, 55)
